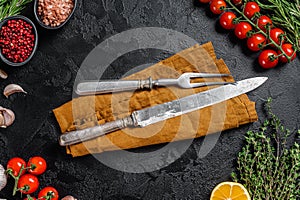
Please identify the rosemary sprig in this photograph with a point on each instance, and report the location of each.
(11, 7)
(284, 14)
(266, 34)
(267, 166)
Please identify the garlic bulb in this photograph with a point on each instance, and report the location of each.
(3, 177)
(7, 117)
(69, 197)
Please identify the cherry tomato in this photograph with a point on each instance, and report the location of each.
(38, 165)
(28, 183)
(289, 50)
(48, 191)
(226, 20)
(237, 2)
(217, 6)
(262, 22)
(241, 29)
(250, 9)
(15, 165)
(256, 42)
(268, 59)
(204, 1)
(275, 35)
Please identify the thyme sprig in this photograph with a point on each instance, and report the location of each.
(284, 14)
(267, 166)
(11, 7)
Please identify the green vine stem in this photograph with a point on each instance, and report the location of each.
(285, 14)
(16, 178)
(259, 30)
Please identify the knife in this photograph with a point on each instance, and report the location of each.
(161, 112)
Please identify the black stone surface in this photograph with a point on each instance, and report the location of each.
(49, 78)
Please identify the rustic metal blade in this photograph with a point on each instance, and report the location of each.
(194, 102)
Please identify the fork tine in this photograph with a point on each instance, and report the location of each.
(205, 75)
(194, 85)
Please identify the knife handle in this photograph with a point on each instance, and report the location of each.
(75, 137)
(91, 88)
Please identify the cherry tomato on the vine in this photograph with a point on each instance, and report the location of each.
(289, 51)
(256, 42)
(237, 2)
(276, 35)
(217, 6)
(204, 1)
(241, 29)
(48, 192)
(226, 20)
(268, 59)
(262, 22)
(37, 165)
(28, 184)
(250, 9)
(15, 164)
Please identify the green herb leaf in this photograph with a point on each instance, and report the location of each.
(267, 167)
(11, 7)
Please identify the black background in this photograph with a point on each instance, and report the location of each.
(49, 76)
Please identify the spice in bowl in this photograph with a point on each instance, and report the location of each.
(17, 40)
(54, 12)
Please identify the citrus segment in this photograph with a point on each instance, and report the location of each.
(230, 191)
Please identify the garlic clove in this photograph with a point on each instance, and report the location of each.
(3, 74)
(2, 121)
(69, 197)
(8, 116)
(11, 89)
(3, 178)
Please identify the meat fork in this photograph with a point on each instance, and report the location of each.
(184, 81)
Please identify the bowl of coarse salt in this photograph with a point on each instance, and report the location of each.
(54, 14)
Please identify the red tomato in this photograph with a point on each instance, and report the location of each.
(226, 20)
(15, 165)
(268, 59)
(37, 165)
(237, 2)
(262, 21)
(217, 6)
(241, 29)
(256, 42)
(28, 183)
(48, 192)
(289, 50)
(204, 1)
(275, 35)
(250, 9)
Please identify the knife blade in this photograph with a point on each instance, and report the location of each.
(161, 112)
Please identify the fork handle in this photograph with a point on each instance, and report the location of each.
(100, 87)
(165, 82)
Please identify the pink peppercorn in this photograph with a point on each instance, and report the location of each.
(17, 40)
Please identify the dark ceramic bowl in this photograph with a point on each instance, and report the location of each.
(39, 20)
(3, 23)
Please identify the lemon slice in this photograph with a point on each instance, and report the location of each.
(230, 191)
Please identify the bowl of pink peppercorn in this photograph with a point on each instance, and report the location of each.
(18, 40)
